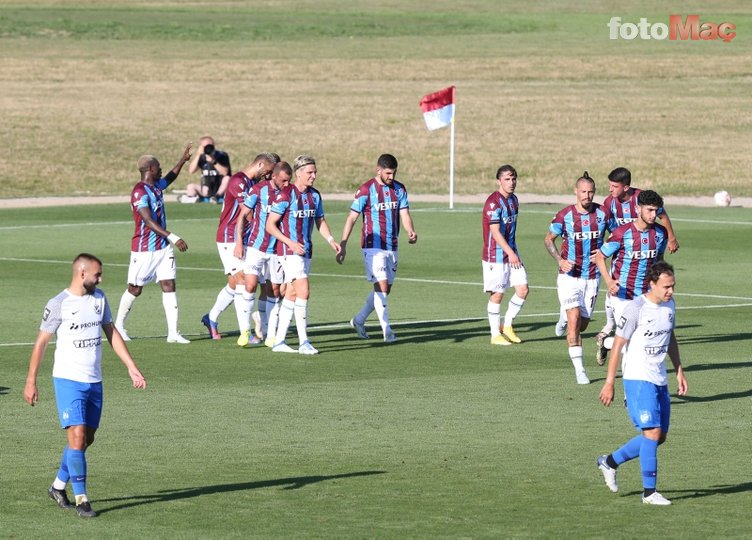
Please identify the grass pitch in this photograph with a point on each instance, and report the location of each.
(439, 434)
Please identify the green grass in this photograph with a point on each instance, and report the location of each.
(438, 435)
(90, 85)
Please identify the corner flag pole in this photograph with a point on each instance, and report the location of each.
(451, 165)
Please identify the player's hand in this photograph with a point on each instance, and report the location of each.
(682, 380)
(187, 152)
(31, 395)
(181, 245)
(565, 265)
(592, 256)
(412, 237)
(673, 245)
(238, 252)
(336, 247)
(613, 287)
(297, 249)
(514, 261)
(607, 394)
(340, 258)
(137, 378)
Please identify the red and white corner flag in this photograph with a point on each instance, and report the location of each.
(438, 108)
(438, 112)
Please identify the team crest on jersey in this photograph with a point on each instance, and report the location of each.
(645, 416)
(586, 222)
(46, 314)
(98, 309)
(671, 318)
(622, 322)
(644, 240)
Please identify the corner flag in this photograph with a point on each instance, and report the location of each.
(438, 108)
(438, 112)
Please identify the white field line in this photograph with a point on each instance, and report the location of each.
(410, 323)
(360, 277)
(419, 210)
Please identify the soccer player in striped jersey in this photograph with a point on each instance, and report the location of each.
(581, 227)
(256, 249)
(622, 203)
(646, 335)
(294, 213)
(152, 256)
(237, 188)
(634, 248)
(502, 266)
(383, 202)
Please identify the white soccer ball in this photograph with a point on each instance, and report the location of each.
(608, 343)
(722, 198)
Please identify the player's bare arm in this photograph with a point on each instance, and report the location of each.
(407, 220)
(347, 229)
(673, 354)
(121, 350)
(173, 174)
(612, 286)
(323, 228)
(239, 250)
(272, 227)
(157, 228)
(31, 394)
(673, 243)
(607, 392)
(550, 244)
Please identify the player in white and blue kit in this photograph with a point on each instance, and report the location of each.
(78, 316)
(645, 331)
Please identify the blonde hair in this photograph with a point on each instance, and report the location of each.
(302, 161)
(144, 162)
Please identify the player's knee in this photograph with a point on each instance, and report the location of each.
(135, 290)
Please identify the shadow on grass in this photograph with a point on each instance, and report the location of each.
(715, 338)
(722, 365)
(189, 493)
(728, 489)
(717, 397)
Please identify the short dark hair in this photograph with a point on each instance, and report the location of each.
(505, 168)
(650, 198)
(620, 175)
(282, 166)
(656, 270)
(387, 161)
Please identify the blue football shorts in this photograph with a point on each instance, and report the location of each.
(78, 403)
(649, 405)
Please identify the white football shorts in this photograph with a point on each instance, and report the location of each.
(231, 264)
(577, 292)
(257, 263)
(498, 277)
(295, 267)
(380, 265)
(148, 266)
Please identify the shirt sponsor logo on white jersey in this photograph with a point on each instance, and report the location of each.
(87, 343)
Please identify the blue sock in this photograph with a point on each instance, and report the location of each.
(649, 462)
(77, 469)
(629, 451)
(62, 472)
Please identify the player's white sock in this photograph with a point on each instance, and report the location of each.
(170, 304)
(366, 310)
(382, 310)
(575, 354)
(126, 303)
(262, 313)
(513, 309)
(494, 317)
(286, 310)
(610, 322)
(301, 318)
(223, 301)
(244, 308)
(272, 310)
